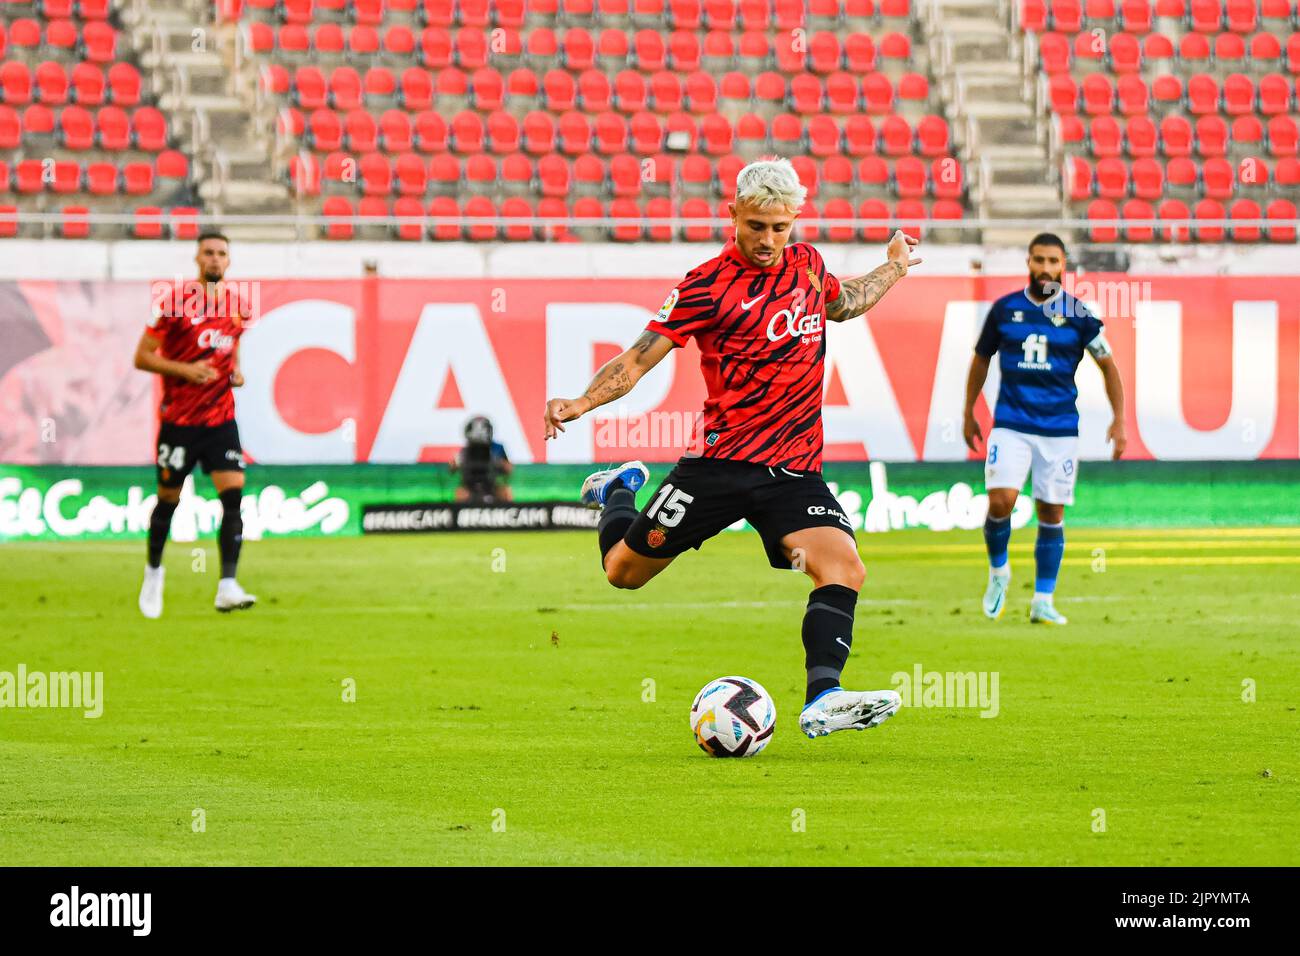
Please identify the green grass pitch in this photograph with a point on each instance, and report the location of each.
(501, 713)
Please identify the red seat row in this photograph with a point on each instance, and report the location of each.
(629, 92)
(623, 175)
(180, 221)
(1136, 16)
(575, 132)
(31, 176)
(1149, 179)
(727, 15)
(522, 217)
(1240, 94)
(1104, 211)
(1176, 136)
(85, 84)
(648, 50)
(77, 128)
(64, 9)
(94, 40)
(1125, 53)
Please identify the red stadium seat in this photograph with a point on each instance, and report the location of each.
(1141, 137)
(1098, 95)
(138, 179)
(1238, 94)
(1102, 211)
(114, 128)
(1175, 136)
(1274, 95)
(15, 83)
(1211, 136)
(1218, 178)
(75, 223)
(1138, 209)
(1282, 209)
(76, 128)
(1171, 210)
(1282, 136)
(1104, 137)
(1202, 94)
(99, 41)
(1209, 209)
(1148, 178)
(877, 94)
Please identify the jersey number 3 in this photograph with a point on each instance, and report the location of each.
(669, 506)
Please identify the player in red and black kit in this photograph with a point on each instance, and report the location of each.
(192, 341)
(757, 312)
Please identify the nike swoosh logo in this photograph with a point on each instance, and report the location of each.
(840, 640)
(745, 306)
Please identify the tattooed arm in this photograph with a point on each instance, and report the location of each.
(614, 380)
(860, 294)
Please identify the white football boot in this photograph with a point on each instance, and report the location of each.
(631, 474)
(151, 593)
(995, 595)
(231, 597)
(1043, 611)
(839, 709)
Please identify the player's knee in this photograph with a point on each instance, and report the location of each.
(853, 573)
(623, 576)
(622, 573)
(169, 495)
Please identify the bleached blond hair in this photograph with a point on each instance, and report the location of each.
(770, 182)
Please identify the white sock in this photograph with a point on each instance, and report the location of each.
(1002, 572)
(225, 581)
(1040, 596)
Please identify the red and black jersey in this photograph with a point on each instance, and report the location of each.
(197, 323)
(760, 332)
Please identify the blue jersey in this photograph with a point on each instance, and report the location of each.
(1039, 348)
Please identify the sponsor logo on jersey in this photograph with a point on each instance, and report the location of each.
(217, 340)
(793, 323)
(666, 309)
(712, 438)
(1017, 316)
(655, 537)
(746, 306)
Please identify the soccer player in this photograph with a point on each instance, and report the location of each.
(192, 341)
(757, 312)
(1039, 335)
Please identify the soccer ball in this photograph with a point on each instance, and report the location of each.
(733, 717)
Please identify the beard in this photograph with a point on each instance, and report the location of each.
(1044, 286)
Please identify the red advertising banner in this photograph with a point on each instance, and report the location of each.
(388, 370)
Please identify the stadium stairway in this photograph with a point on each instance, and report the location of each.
(977, 56)
(193, 58)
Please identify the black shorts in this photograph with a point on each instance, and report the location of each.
(702, 496)
(181, 447)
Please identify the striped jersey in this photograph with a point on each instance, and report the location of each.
(196, 324)
(760, 332)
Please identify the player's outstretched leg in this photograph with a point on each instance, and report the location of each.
(230, 596)
(830, 558)
(160, 523)
(997, 537)
(614, 492)
(1048, 551)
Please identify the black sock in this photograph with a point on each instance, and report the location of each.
(160, 523)
(232, 530)
(827, 636)
(617, 516)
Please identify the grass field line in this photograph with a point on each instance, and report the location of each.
(1080, 540)
(1125, 562)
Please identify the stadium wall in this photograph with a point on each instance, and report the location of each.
(387, 370)
(54, 503)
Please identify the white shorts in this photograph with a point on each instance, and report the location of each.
(1054, 460)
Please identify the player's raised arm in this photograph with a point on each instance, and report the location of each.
(147, 359)
(860, 294)
(614, 380)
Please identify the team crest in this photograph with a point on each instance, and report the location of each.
(812, 278)
(655, 537)
(667, 308)
(1058, 318)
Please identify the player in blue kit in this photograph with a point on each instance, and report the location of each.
(1039, 335)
